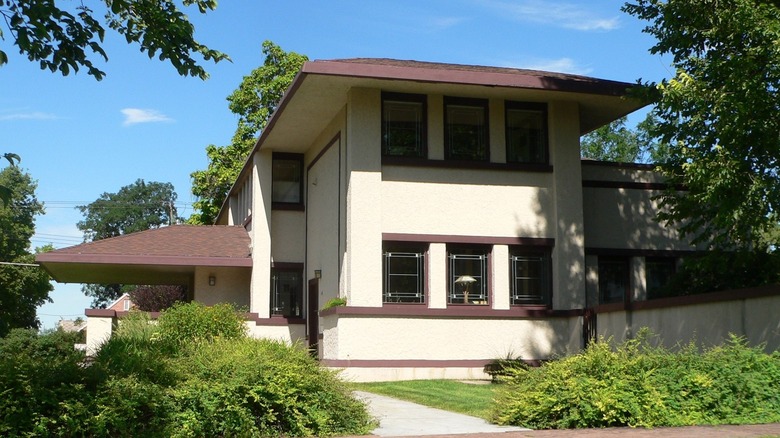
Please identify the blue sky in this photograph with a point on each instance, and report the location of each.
(79, 137)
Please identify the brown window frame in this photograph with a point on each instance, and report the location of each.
(422, 134)
(277, 310)
(284, 205)
(454, 253)
(467, 102)
(544, 256)
(405, 250)
(531, 107)
(625, 293)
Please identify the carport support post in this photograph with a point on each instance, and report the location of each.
(99, 329)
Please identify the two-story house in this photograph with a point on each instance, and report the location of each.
(446, 204)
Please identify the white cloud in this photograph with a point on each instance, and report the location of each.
(135, 115)
(560, 65)
(33, 115)
(555, 13)
(442, 23)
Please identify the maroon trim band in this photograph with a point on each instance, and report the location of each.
(464, 311)
(324, 150)
(628, 185)
(414, 363)
(483, 240)
(629, 252)
(456, 164)
(690, 300)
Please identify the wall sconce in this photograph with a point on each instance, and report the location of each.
(317, 273)
(212, 280)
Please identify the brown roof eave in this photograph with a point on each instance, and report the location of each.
(125, 259)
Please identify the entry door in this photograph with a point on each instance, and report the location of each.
(312, 314)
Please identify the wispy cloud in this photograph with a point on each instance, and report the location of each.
(555, 13)
(134, 116)
(560, 65)
(441, 23)
(30, 115)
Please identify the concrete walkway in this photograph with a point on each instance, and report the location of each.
(404, 419)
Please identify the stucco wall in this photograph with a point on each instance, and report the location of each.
(231, 286)
(98, 331)
(288, 236)
(707, 324)
(288, 334)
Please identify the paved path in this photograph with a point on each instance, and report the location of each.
(401, 418)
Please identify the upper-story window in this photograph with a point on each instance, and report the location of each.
(404, 125)
(287, 174)
(526, 132)
(466, 129)
(530, 275)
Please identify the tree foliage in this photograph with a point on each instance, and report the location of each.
(135, 207)
(254, 101)
(154, 298)
(68, 38)
(23, 286)
(719, 116)
(617, 142)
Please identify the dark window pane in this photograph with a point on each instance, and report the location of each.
(403, 128)
(468, 276)
(404, 277)
(466, 132)
(286, 292)
(526, 140)
(530, 279)
(658, 272)
(613, 280)
(287, 181)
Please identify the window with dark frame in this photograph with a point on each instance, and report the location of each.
(287, 175)
(287, 291)
(404, 125)
(614, 279)
(658, 272)
(403, 279)
(468, 275)
(466, 129)
(530, 277)
(526, 132)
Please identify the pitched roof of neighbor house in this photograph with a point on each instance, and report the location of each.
(167, 255)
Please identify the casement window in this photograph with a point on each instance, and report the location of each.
(287, 291)
(526, 132)
(614, 279)
(404, 125)
(403, 279)
(287, 175)
(530, 277)
(466, 129)
(658, 272)
(468, 274)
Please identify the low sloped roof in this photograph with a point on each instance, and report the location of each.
(165, 255)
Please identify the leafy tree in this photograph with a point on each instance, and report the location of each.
(254, 101)
(618, 143)
(154, 298)
(719, 117)
(23, 286)
(69, 38)
(135, 207)
(5, 192)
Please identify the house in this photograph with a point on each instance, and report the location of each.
(122, 304)
(449, 207)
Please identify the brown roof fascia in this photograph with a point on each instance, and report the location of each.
(124, 259)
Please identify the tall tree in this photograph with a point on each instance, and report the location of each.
(135, 207)
(720, 117)
(618, 143)
(254, 101)
(23, 286)
(68, 38)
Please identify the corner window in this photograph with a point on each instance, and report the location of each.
(658, 272)
(287, 291)
(468, 268)
(530, 277)
(526, 133)
(403, 274)
(404, 125)
(613, 279)
(287, 174)
(466, 129)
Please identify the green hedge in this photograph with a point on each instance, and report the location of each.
(634, 384)
(193, 374)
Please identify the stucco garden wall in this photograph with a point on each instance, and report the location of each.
(231, 286)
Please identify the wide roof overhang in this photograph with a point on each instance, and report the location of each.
(167, 255)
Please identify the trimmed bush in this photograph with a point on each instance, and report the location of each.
(188, 322)
(634, 384)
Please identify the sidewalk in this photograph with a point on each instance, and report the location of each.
(402, 418)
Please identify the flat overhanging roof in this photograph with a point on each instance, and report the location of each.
(167, 255)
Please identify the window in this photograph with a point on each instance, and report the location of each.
(526, 132)
(658, 272)
(468, 267)
(287, 291)
(530, 277)
(613, 279)
(287, 174)
(466, 129)
(403, 274)
(404, 124)
(126, 304)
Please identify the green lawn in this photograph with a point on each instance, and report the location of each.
(450, 395)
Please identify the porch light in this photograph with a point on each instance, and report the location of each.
(317, 273)
(212, 280)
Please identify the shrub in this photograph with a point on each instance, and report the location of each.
(334, 302)
(186, 322)
(634, 384)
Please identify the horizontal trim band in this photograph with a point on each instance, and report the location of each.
(152, 260)
(627, 185)
(630, 252)
(459, 164)
(486, 240)
(474, 312)
(414, 363)
(691, 300)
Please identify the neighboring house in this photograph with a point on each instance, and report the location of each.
(448, 205)
(122, 304)
(77, 325)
